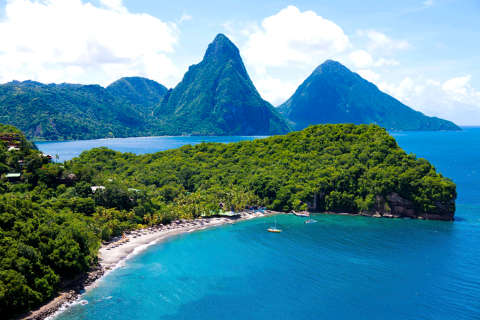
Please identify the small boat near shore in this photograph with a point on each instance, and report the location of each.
(301, 214)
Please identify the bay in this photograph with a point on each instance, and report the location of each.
(342, 267)
(66, 150)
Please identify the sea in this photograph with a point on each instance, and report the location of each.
(66, 150)
(342, 267)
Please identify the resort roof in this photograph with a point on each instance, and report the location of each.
(13, 175)
(95, 188)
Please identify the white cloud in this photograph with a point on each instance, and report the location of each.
(76, 41)
(113, 4)
(369, 74)
(454, 99)
(185, 17)
(288, 45)
(386, 62)
(275, 90)
(381, 43)
(457, 86)
(292, 36)
(361, 58)
(401, 91)
(291, 43)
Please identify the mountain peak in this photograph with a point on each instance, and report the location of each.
(216, 96)
(331, 66)
(334, 94)
(222, 48)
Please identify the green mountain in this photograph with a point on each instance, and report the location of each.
(217, 97)
(334, 94)
(137, 91)
(70, 111)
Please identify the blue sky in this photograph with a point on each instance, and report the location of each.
(425, 53)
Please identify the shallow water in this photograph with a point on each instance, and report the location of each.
(342, 267)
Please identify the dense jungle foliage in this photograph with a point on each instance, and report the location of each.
(52, 223)
(70, 111)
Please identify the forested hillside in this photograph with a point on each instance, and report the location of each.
(217, 97)
(338, 168)
(67, 111)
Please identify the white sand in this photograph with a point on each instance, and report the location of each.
(116, 253)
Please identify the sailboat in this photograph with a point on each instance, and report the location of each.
(274, 229)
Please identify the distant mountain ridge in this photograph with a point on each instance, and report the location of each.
(138, 91)
(68, 111)
(334, 94)
(215, 97)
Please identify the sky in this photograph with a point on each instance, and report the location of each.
(425, 53)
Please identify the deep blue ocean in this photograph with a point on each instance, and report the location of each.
(342, 267)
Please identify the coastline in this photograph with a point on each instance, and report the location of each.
(115, 253)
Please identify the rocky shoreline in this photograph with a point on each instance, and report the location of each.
(70, 293)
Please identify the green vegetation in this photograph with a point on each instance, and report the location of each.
(217, 97)
(334, 94)
(344, 166)
(40, 242)
(52, 223)
(67, 111)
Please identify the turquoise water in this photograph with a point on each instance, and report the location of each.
(67, 150)
(342, 267)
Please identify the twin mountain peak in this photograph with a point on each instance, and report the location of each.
(215, 97)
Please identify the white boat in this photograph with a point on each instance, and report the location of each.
(302, 214)
(274, 229)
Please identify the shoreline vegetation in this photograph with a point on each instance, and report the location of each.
(116, 252)
(54, 216)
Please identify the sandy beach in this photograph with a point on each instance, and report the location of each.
(114, 254)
